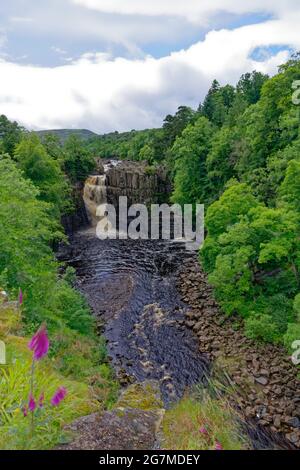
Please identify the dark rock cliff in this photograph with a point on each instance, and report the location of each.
(139, 182)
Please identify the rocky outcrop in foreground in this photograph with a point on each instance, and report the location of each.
(268, 389)
(133, 424)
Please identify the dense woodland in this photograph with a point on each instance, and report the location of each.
(36, 189)
(239, 153)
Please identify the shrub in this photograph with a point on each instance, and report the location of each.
(292, 334)
(262, 327)
(206, 425)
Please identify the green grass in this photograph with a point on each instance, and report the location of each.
(182, 424)
(76, 362)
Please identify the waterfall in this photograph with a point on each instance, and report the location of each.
(95, 194)
(95, 191)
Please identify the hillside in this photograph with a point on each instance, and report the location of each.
(63, 134)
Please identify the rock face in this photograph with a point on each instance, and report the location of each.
(132, 425)
(139, 182)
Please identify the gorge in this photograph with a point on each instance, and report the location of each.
(137, 290)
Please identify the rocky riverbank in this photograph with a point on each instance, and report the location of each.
(268, 385)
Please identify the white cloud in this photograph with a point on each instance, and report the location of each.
(58, 50)
(3, 38)
(104, 93)
(21, 19)
(193, 10)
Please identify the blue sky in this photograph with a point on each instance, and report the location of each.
(122, 64)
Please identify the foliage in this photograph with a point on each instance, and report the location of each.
(261, 327)
(252, 255)
(292, 334)
(173, 126)
(26, 231)
(217, 103)
(14, 386)
(78, 161)
(10, 135)
(190, 152)
(76, 361)
(250, 85)
(200, 425)
(296, 306)
(44, 171)
(220, 161)
(34, 192)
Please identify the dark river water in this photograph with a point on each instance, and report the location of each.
(131, 287)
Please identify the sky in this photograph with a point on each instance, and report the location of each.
(109, 65)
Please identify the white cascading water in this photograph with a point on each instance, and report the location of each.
(94, 195)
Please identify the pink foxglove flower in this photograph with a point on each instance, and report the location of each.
(203, 430)
(25, 411)
(59, 395)
(39, 344)
(31, 404)
(218, 446)
(41, 400)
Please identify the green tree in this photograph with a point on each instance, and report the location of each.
(290, 188)
(78, 160)
(218, 103)
(269, 125)
(250, 85)
(173, 126)
(10, 135)
(26, 260)
(44, 172)
(53, 147)
(252, 254)
(220, 161)
(189, 153)
(147, 153)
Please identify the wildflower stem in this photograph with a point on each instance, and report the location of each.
(32, 394)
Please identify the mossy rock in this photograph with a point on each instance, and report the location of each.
(144, 396)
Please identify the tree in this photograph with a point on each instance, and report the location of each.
(250, 85)
(189, 153)
(208, 106)
(269, 125)
(252, 255)
(44, 172)
(78, 161)
(53, 147)
(217, 103)
(26, 229)
(10, 135)
(26, 260)
(220, 162)
(290, 188)
(147, 153)
(173, 126)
